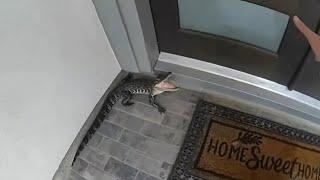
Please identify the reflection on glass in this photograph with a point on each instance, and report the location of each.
(235, 19)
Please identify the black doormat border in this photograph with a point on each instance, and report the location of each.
(204, 113)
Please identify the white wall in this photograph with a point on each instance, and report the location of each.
(55, 64)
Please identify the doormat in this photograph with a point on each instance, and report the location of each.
(222, 143)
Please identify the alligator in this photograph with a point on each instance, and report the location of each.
(125, 91)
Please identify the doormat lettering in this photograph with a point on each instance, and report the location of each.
(229, 144)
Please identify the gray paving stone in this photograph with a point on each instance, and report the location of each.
(176, 121)
(113, 148)
(85, 152)
(120, 169)
(111, 115)
(75, 176)
(166, 169)
(142, 99)
(179, 138)
(144, 176)
(150, 156)
(93, 173)
(79, 166)
(146, 164)
(154, 140)
(110, 130)
(185, 95)
(171, 104)
(95, 140)
(134, 140)
(231, 102)
(158, 132)
(166, 166)
(177, 106)
(128, 121)
(142, 111)
(97, 158)
(157, 150)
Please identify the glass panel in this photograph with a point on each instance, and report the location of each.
(235, 19)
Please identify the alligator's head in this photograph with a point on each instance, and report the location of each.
(164, 85)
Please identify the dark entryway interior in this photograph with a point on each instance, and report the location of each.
(292, 64)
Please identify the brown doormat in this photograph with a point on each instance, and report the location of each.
(222, 143)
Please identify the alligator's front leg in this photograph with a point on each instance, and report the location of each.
(154, 103)
(126, 99)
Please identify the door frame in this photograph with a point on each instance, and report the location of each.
(130, 28)
(277, 66)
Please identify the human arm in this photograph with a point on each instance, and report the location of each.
(312, 37)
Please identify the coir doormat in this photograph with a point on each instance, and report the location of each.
(222, 143)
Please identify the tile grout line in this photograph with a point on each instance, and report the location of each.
(135, 178)
(176, 134)
(103, 171)
(170, 111)
(132, 114)
(121, 133)
(122, 161)
(139, 132)
(144, 119)
(98, 147)
(178, 99)
(96, 167)
(78, 172)
(156, 140)
(139, 151)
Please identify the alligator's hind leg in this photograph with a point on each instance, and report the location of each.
(154, 103)
(126, 99)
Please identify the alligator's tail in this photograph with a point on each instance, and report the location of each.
(111, 99)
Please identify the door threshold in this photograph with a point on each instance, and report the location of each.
(207, 77)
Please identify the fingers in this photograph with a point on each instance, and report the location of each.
(312, 37)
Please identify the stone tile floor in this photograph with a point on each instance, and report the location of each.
(136, 142)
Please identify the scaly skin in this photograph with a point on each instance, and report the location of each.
(126, 90)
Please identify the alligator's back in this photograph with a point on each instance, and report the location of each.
(138, 86)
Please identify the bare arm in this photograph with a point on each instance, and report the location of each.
(312, 37)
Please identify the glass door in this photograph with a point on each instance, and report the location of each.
(255, 37)
(238, 20)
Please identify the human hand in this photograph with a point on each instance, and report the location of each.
(312, 37)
